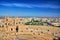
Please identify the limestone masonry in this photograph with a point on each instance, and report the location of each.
(18, 28)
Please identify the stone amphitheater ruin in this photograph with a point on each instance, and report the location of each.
(15, 29)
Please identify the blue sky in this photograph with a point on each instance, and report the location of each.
(30, 8)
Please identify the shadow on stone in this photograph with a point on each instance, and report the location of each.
(20, 39)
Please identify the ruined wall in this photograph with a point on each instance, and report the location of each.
(15, 26)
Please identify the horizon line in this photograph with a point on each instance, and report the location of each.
(31, 16)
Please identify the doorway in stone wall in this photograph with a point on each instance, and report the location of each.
(17, 29)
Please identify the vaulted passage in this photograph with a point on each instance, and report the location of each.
(17, 29)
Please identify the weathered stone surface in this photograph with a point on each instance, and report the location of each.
(27, 32)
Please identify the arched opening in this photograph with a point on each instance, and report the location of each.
(17, 29)
(11, 29)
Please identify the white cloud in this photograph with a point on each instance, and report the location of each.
(29, 5)
(6, 4)
(22, 5)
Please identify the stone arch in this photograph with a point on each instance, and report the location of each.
(17, 29)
